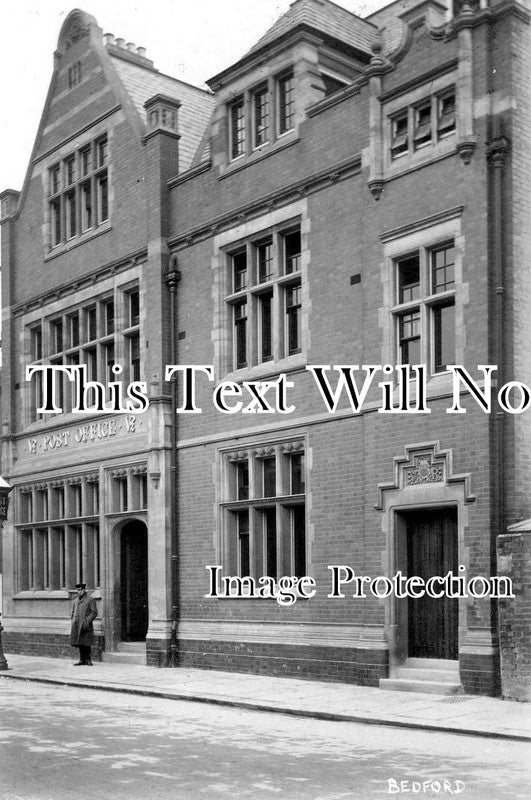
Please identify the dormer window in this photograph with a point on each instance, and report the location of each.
(286, 103)
(261, 115)
(423, 124)
(237, 129)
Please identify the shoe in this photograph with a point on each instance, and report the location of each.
(80, 664)
(89, 663)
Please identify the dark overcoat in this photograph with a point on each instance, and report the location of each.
(84, 612)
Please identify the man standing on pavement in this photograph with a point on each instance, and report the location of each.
(84, 612)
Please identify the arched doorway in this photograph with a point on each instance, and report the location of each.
(134, 581)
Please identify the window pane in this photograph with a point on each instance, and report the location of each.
(242, 518)
(70, 170)
(399, 134)
(90, 324)
(261, 117)
(101, 147)
(299, 540)
(286, 104)
(269, 517)
(86, 206)
(134, 357)
(410, 338)
(56, 329)
(408, 279)
(242, 480)
(55, 211)
(109, 316)
(423, 124)
(103, 198)
(26, 560)
(293, 313)
(71, 220)
(266, 332)
(240, 330)
(443, 336)
(446, 114)
(269, 475)
(74, 330)
(55, 179)
(108, 356)
(442, 269)
(134, 308)
(264, 253)
(36, 343)
(297, 474)
(237, 119)
(239, 270)
(292, 252)
(85, 159)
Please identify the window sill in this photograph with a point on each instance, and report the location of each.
(53, 594)
(65, 419)
(264, 151)
(408, 162)
(71, 244)
(43, 594)
(267, 369)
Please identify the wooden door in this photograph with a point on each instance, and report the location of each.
(432, 550)
(134, 581)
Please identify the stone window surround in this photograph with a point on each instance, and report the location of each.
(222, 329)
(76, 516)
(227, 503)
(118, 287)
(58, 156)
(438, 147)
(424, 238)
(247, 98)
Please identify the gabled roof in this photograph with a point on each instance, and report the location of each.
(327, 17)
(142, 82)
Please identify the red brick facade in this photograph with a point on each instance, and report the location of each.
(374, 150)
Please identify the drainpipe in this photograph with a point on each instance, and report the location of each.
(172, 278)
(499, 354)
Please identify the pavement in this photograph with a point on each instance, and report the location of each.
(464, 714)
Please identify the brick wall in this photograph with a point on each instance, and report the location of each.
(47, 644)
(514, 561)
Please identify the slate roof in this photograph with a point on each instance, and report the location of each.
(326, 17)
(197, 105)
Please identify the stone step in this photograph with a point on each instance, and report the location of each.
(131, 647)
(124, 658)
(425, 674)
(430, 687)
(432, 663)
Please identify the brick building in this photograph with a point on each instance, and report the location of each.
(351, 192)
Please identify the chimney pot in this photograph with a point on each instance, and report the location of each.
(130, 46)
(141, 51)
(109, 38)
(119, 42)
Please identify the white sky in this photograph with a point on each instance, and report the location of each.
(189, 39)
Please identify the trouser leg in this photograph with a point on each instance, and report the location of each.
(84, 653)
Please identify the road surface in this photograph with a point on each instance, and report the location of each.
(63, 743)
